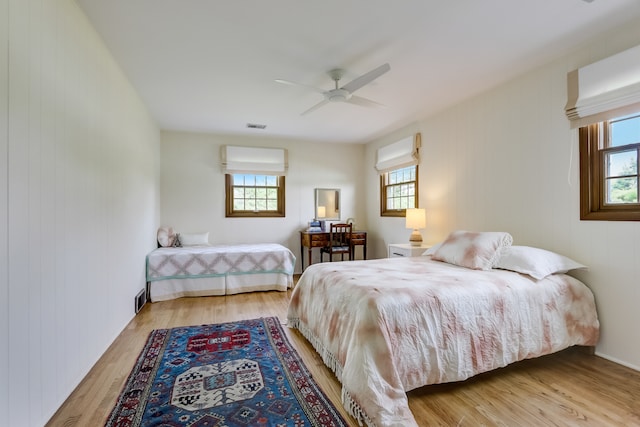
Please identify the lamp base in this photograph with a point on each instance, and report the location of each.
(416, 238)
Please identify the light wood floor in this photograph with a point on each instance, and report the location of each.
(570, 388)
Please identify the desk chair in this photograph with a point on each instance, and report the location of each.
(339, 242)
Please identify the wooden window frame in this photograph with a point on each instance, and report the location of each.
(383, 197)
(593, 206)
(231, 213)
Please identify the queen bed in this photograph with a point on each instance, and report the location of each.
(388, 326)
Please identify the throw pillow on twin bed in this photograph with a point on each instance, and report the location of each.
(167, 237)
(194, 239)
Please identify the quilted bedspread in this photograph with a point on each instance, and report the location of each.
(219, 260)
(392, 325)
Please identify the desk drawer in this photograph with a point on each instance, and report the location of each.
(318, 239)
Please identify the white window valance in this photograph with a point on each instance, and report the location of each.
(399, 154)
(253, 160)
(605, 89)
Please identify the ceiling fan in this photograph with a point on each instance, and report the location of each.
(344, 93)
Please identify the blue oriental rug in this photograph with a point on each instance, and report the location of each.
(230, 374)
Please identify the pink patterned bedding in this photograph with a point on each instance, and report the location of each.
(388, 326)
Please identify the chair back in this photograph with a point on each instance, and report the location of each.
(340, 236)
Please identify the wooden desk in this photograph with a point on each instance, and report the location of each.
(318, 239)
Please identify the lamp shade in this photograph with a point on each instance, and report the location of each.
(322, 211)
(416, 218)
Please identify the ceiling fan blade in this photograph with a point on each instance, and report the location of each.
(366, 78)
(315, 107)
(358, 100)
(287, 82)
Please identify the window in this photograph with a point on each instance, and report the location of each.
(398, 191)
(251, 195)
(609, 156)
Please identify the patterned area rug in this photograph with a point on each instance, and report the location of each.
(230, 374)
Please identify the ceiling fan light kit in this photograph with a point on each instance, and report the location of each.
(344, 93)
(337, 95)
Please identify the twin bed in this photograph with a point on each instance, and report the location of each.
(472, 305)
(203, 270)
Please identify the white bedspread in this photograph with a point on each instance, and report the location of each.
(389, 326)
(219, 260)
(218, 270)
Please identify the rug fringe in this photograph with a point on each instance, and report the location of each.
(332, 362)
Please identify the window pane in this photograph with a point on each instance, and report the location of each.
(257, 195)
(625, 131)
(609, 156)
(622, 190)
(621, 163)
(399, 187)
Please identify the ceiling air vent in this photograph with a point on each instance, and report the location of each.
(255, 126)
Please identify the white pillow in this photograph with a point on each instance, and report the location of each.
(166, 237)
(537, 263)
(475, 250)
(432, 249)
(194, 239)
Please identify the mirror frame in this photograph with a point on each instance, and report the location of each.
(323, 197)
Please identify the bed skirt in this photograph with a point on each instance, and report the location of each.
(164, 290)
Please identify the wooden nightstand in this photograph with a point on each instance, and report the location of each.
(406, 250)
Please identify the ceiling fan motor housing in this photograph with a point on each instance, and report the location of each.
(337, 95)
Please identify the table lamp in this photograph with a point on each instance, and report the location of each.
(416, 219)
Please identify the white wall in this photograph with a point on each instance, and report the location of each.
(79, 208)
(507, 160)
(192, 188)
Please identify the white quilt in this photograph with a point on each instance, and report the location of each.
(389, 326)
(219, 260)
(218, 270)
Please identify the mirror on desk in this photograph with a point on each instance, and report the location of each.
(327, 204)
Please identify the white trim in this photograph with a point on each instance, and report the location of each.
(618, 361)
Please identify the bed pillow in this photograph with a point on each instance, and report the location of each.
(167, 237)
(194, 239)
(537, 263)
(475, 250)
(432, 249)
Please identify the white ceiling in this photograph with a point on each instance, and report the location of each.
(211, 65)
